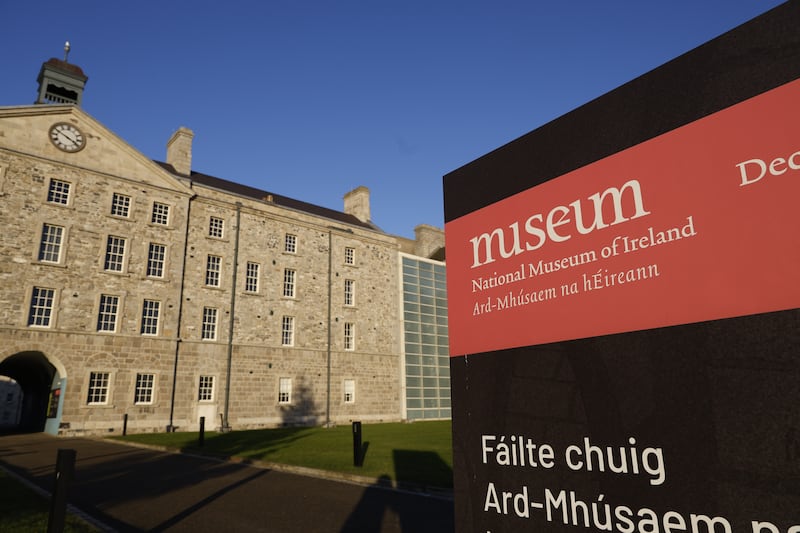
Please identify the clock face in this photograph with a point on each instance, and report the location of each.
(67, 137)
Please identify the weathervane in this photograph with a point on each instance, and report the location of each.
(66, 51)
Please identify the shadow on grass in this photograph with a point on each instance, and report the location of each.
(252, 444)
(412, 466)
(363, 453)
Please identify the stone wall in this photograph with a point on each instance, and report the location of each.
(74, 346)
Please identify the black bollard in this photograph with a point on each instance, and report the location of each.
(202, 437)
(125, 424)
(65, 470)
(358, 460)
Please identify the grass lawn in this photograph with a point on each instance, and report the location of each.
(420, 452)
(22, 510)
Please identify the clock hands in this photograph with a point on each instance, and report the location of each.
(68, 134)
(67, 137)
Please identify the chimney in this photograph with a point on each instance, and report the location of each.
(179, 151)
(429, 241)
(356, 203)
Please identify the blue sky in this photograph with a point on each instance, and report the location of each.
(310, 99)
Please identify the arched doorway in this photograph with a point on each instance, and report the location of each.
(41, 387)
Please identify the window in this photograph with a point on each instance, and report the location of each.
(349, 391)
(145, 383)
(58, 193)
(349, 291)
(107, 315)
(50, 245)
(160, 214)
(115, 254)
(98, 388)
(205, 391)
(288, 282)
(285, 390)
(349, 256)
(41, 307)
(150, 313)
(213, 266)
(251, 277)
(287, 331)
(290, 244)
(156, 256)
(215, 227)
(427, 363)
(209, 331)
(349, 336)
(120, 205)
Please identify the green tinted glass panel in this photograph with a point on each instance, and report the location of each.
(409, 297)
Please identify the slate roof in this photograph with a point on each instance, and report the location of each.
(59, 64)
(277, 199)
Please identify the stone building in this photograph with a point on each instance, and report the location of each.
(146, 295)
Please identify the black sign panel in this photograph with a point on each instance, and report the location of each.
(692, 427)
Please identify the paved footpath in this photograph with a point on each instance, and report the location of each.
(131, 489)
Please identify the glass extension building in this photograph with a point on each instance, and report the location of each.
(427, 359)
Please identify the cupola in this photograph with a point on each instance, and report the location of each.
(61, 82)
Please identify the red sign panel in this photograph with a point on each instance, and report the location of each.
(698, 224)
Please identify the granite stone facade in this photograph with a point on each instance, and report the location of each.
(145, 295)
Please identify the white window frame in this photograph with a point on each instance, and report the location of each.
(349, 255)
(213, 270)
(151, 313)
(144, 391)
(290, 243)
(156, 260)
(40, 311)
(115, 254)
(216, 227)
(284, 391)
(349, 336)
(120, 205)
(98, 389)
(287, 331)
(289, 282)
(349, 292)
(59, 192)
(251, 276)
(51, 243)
(108, 312)
(349, 391)
(160, 214)
(206, 389)
(209, 326)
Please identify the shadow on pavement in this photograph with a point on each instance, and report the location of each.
(379, 505)
(134, 489)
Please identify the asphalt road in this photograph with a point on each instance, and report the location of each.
(130, 489)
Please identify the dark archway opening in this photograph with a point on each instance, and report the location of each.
(34, 374)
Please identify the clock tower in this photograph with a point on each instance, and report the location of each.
(61, 82)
